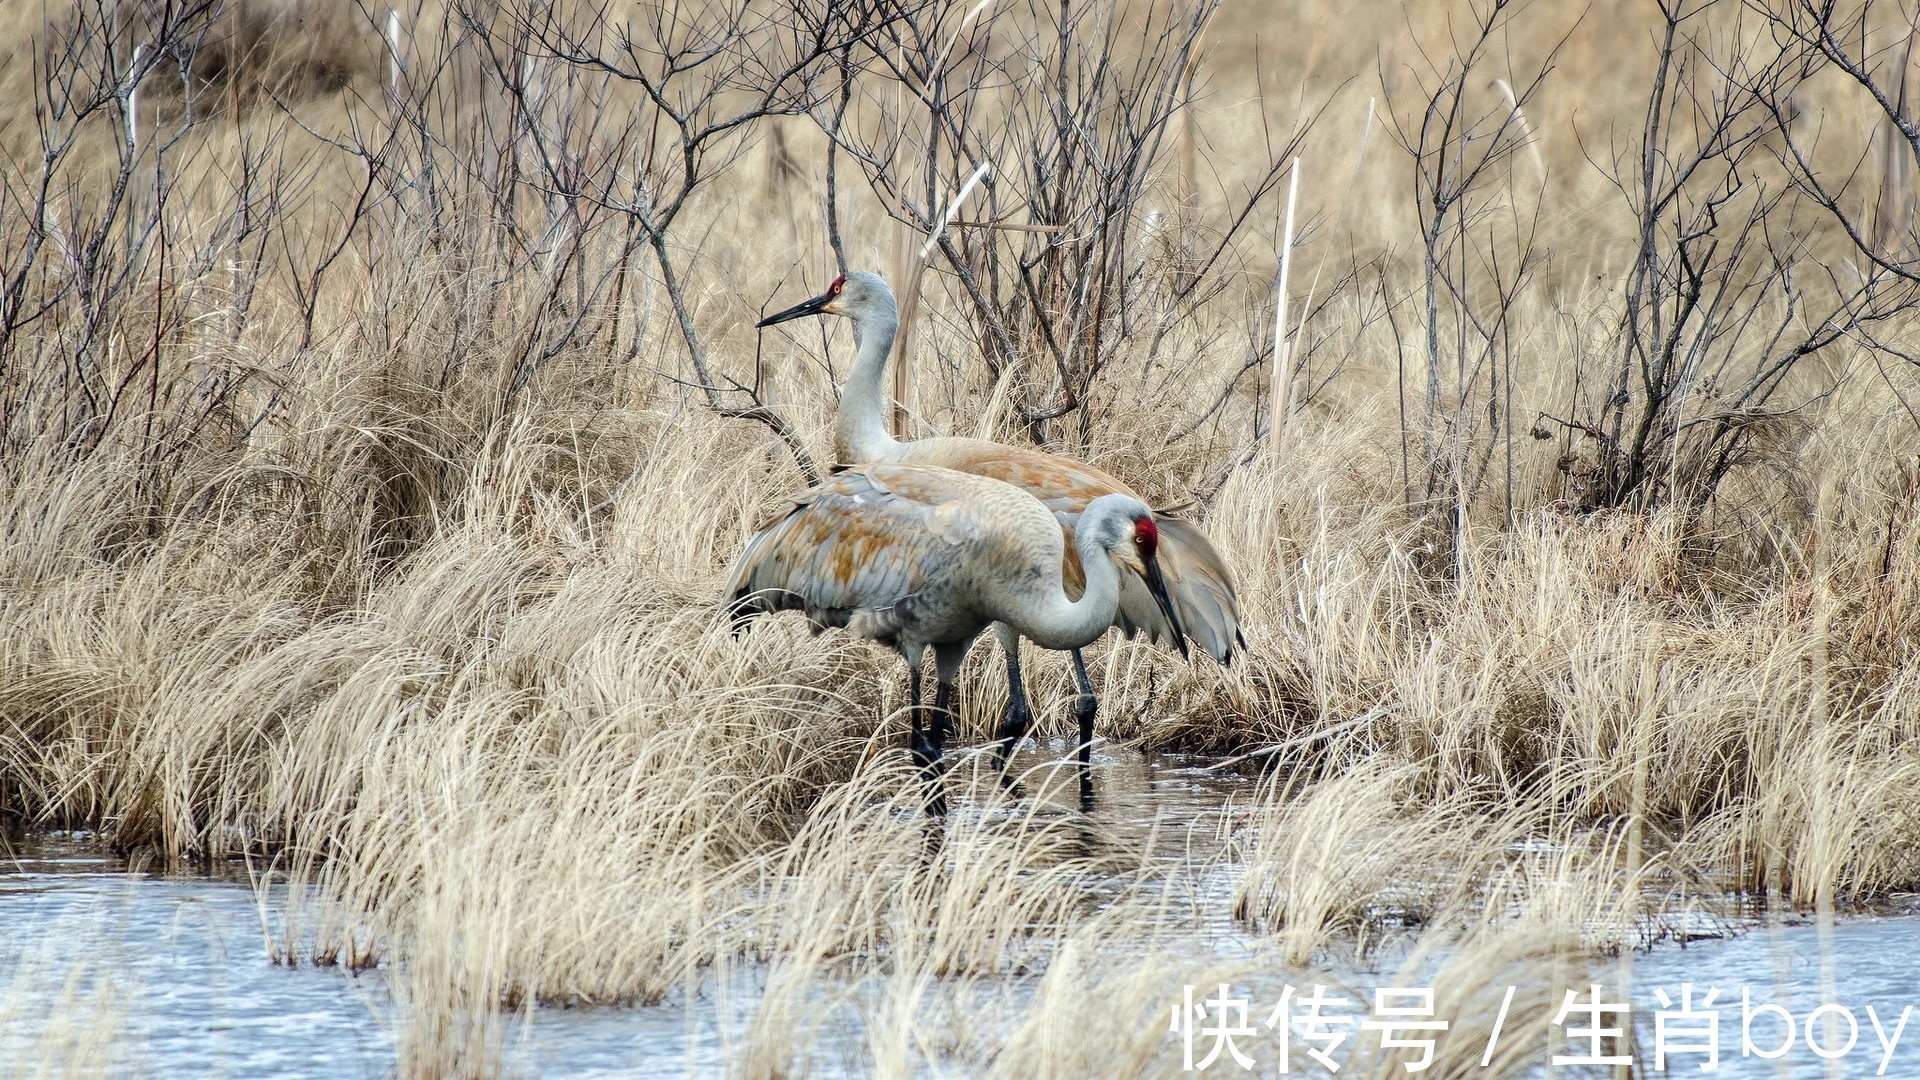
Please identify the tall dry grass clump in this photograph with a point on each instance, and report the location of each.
(372, 447)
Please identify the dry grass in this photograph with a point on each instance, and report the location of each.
(440, 643)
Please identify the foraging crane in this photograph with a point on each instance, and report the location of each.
(916, 558)
(1198, 582)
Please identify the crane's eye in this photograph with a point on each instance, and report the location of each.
(838, 284)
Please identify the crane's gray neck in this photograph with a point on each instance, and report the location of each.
(860, 434)
(1061, 623)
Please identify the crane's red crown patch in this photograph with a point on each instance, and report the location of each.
(1147, 535)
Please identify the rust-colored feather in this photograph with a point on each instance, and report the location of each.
(863, 540)
(1198, 580)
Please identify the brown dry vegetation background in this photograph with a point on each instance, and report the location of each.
(374, 438)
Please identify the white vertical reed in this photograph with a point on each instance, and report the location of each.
(393, 52)
(1282, 355)
(133, 100)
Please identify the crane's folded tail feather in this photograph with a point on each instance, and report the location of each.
(850, 552)
(761, 584)
(1200, 586)
(751, 589)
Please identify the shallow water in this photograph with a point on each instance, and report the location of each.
(174, 973)
(1857, 963)
(170, 976)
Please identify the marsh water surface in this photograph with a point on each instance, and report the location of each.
(170, 976)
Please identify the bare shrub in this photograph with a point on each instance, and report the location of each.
(1076, 245)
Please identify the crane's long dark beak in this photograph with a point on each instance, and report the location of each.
(815, 306)
(1157, 585)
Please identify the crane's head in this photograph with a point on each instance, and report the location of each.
(1125, 528)
(858, 295)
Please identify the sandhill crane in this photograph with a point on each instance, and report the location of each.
(917, 557)
(1200, 585)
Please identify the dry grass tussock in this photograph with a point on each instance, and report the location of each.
(362, 513)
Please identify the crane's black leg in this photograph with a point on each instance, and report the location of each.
(934, 769)
(923, 754)
(1013, 726)
(946, 664)
(929, 731)
(1084, 709)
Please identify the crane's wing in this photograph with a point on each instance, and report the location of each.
(854, 549)
(1062, 485)
(1198, 581)
(1200, 587)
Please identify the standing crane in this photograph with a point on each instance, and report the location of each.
(1199, 584)
(916, 557)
